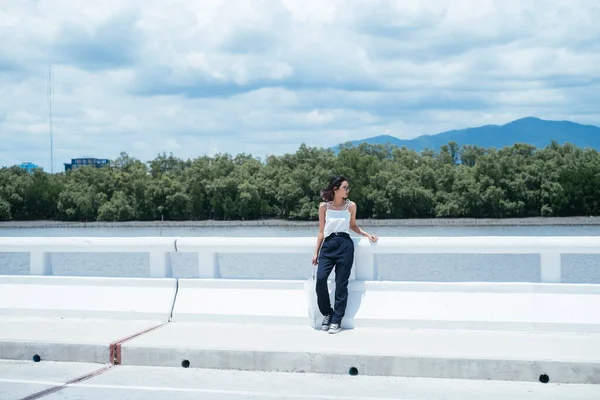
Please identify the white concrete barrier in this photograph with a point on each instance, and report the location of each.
(209, 247)
(550, 249)
(87, 297)
(243, 301)
(414, 305)
(39, 249)
(528, 306)
(531, 307)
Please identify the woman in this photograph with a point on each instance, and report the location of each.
(335, 248)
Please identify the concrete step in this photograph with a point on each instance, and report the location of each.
(483, 355)
(486, 355)
(66, 339)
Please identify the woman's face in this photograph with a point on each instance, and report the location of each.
(342, 192)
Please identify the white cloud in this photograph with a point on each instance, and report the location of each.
(263, 76)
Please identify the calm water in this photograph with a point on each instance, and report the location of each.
(411, 267)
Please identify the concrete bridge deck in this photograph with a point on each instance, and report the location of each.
(21, 380)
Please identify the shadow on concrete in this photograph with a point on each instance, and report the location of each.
(356, 292)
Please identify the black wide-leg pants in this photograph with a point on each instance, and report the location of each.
(336, 251)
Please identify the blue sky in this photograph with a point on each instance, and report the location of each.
(264, 76)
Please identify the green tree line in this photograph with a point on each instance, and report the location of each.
(386, 182)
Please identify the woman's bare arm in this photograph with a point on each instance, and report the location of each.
(321, 235)
(355, 227)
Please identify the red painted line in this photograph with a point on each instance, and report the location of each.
(115, 360)
(55, 389)
(115, 347)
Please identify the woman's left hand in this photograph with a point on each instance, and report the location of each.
(372, 238)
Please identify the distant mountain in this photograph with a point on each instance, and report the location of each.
(530, 130)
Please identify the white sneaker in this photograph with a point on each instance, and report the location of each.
(326, 322)
(334, 328)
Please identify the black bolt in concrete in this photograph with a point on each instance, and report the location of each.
(353, 371)
(185, 363)
(544, 378)
(36, 358)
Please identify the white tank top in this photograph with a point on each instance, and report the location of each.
(337, 220)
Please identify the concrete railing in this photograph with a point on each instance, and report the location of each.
(547, 306)
(550, 250)
(40, 248)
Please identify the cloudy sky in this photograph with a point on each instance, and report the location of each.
(196, 77)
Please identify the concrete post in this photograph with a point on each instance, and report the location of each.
(208, 265)
(160, 265)
(40, 263)
(365, 265)
(550, 267)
